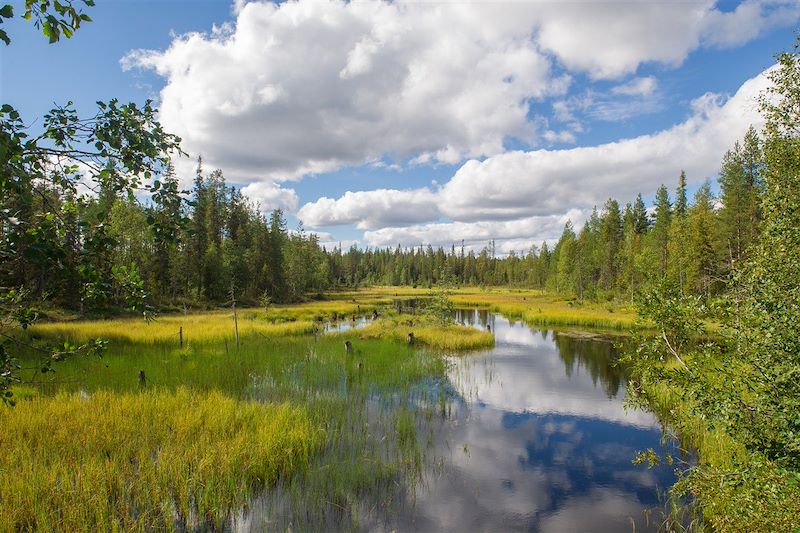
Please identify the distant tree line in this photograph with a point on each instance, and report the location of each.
(94, 252)
(618, 250)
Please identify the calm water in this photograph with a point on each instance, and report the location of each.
(531, 435)
(538, 440)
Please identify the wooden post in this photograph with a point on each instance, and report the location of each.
(235, 318)
(180, 336)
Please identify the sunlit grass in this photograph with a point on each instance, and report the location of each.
(370, 402)
(197, 327)
(143, 461)
(354, 396)
(427, 332)
(537, 308)
(533, 306)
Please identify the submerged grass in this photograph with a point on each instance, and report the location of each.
(143, 461)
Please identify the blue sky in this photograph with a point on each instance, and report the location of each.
(408, 123)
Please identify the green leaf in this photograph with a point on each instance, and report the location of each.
(7, 11)
(4, 37)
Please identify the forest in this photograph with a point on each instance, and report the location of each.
(94, 224)
(205, 245)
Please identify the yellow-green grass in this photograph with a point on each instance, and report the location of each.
(537, 308)
(427, 332)
(361, 462)
(533, 306)
(143, 461)
(278, 320)
(197, 327)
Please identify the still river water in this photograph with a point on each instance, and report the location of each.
(540, 441)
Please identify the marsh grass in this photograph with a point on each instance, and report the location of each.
(427, 332)
(143, 461)
(536, 308)
(361, 400)
(197, 327)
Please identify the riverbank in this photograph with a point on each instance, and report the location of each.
(733, 487)
(532, 306)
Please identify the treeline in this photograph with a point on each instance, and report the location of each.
(734, 395)
(106, 250)
(694, 244)
(214, 248)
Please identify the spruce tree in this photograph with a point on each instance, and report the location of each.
(660, 232)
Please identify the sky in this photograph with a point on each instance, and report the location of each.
(407, 123)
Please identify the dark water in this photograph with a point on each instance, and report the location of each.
(538, 439)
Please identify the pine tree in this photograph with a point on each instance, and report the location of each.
(565, 251)
(278, 237)
(641, 219)
(610, 239)
(681, 205)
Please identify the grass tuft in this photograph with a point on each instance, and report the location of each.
(152, 460)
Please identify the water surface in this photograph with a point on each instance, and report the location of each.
(538, 439)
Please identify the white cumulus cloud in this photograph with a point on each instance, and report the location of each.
(271, 196)
(516, 235)
(542, 182)
(309, 86)
(522, 198)
(371, 209)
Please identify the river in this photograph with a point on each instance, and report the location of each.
(539, 439)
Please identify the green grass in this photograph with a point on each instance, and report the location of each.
(537, 308)
(136, 461)
(197, 327)
(357, 398)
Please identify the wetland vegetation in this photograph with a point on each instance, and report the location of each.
(287, 430)
(214, 370)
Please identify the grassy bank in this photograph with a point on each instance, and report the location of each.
(532, 306)
(542, 309)
(143, 461)
(197, 327)
(735, 488)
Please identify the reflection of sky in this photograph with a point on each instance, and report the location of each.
(538, 446)
(346, 325)
(523, 373)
